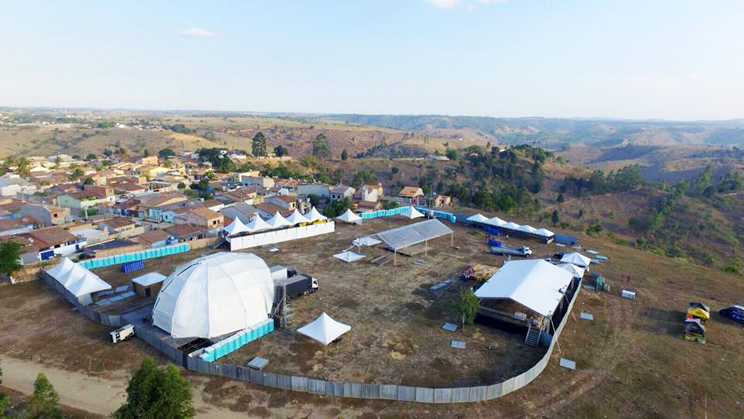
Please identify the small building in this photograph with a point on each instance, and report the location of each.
(55, 241)
(287, 203)
(441, 201)
(119, 225)
(244, 212)
(186, 232)
(413, 194)
(149, 160)
(16, 226)
(12, 184)
(264, 182)
(214, 204)
(341, 191)
(369, 193)
(148, 285)
(203, 217)
(47, 214)
(318, 189)
(153, 239)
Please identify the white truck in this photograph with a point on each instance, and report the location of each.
(122, 333)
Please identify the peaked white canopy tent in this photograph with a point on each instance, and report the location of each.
(349, 217)
(366, 241)
(79, 281)
(277, 221)
(496, 221)
(527, 229)
(258, 224)
(577, 259)
(577, 271)
(313, 215)
(296, 218)
(324, 329)
(236, 227)
(348, 256)
(543, 232)
(511, 226)
(477, 218)
(411, 213)
(215, 295)
(534, 284)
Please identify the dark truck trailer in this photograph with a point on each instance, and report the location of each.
(296, 286)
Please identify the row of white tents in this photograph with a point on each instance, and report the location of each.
(79, 281)
(277, 221)
(508, 225)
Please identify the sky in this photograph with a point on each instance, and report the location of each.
(665, 59)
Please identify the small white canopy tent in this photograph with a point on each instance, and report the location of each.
(76, 279)
(543, 232)
(349, 217)
(236, 227)
(495, 221)
(366, 241)
(277, 221)
(534, 283)
(577, 272)
(313, 215)
(258, 224)
(577, 259)
(324, 329)
(348, 256)
(296, 218)
(215, 295)
(477, 218)
(411, 213)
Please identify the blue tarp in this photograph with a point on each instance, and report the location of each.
(237, 341)
(136, 256)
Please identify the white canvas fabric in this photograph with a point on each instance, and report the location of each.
(366, 241)
(349, 217)
(61, 268)
(277, 221)
(296, 218)
(313, 215)
(236, 227)
(577, 272)
(324, 329)
(215, 295)
(149, 279)
(349, 256)
(535, 284)
(511, 226)
(527, 229)
(577, 259)
(543, 232)
(478, 218)
(257, 224)
(411, 213)
(76, 279)
(495, 221)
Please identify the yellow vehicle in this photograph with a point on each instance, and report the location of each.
(698, 311)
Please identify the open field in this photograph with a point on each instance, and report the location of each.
(632, 360)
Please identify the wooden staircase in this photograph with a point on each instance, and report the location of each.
(533, 337)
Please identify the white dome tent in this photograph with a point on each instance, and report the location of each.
(277, 221)
(215, 295)
(324, 329)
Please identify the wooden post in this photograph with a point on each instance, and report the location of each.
(426, 247)
(284, 305)
(452, 239)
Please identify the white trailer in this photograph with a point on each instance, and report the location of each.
(122, 333)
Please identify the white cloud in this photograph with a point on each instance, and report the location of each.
(444, 4)
(198, 32)
(468, 4)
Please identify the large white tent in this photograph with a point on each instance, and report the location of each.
(258, 224)
(236, 227)
(543, 232)
(411, 213)
(477, 218)
(534, 283)
(577, 259)
(349, 217)
(496, 221)
(296, 218)
(577, 271)
(277, 221)
(348, 256)
(313, 215)
(511, 226)
(324, 329)
(215, 295)
(76, 279)
(524, 228)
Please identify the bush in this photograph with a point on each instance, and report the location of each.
(44, 402)
(155, 393)
(732, 268)
(467, 306)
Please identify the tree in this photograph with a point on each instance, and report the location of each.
(344, 155)
(451, 154)
(394, 170)
(555, 218)
(321, 148)
(181, 186)
(281, 151)
(108, 153)
(76, 174)
(166, 153)
(467, 306)
(88, 181)
(314, 199)
(390, 205)
(90, 157)
(147, 153)
(259, 145)
(44, 402)
(10, 256)
(561, 199)
(4, 399)
(155, 393)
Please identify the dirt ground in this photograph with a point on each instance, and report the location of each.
(632, 360)
(396, 335)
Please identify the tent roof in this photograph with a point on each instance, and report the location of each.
(61, 268)
(258, 224)
(76, 279)
(496, 221)
(349, 217)
(411, 213)
(577, 259)
(366, 241)
(526, 228)
(413, 234)
(478, 218)
(577, 271)
(313, 215)
(278, 221)
(535, 284)
(511, 226)
(215, 295)
(149, 279)
(348, 256)
(296, 218)
(324, 329)
(236, 227)
(543, 232)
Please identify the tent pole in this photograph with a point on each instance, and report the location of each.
(452, 239)
(426, 247)
(395, 257)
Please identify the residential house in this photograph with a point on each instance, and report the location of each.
(342, 191)
(441, 201)
(240, 176)
(126, 208)
(112, 248)
(89, 234)
(12, 184)
(365, 206)
(88, 198)
(55, 241)
(214, 204)
(186, 232)
(202, 217)
(148, 160)
(151, 205)
(121, 227)
(240, 210)
(290, 185)
(245, 195)
(47, 214)
(318, 189)
(130, 189)
(267, 211)
(161, 187)
(154, 238)
(413, 194)
(369, 193)
(166, 213)
(264, 182)
(285, 202)
(152, 171)
(17, 226)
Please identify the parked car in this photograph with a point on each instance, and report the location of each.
(735, 313)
